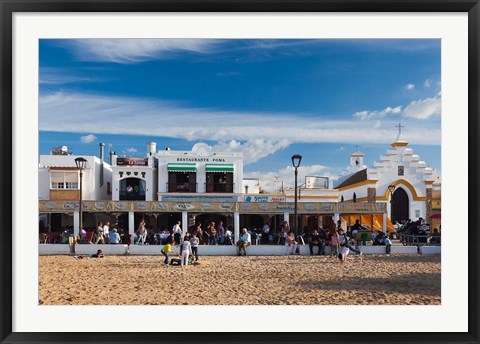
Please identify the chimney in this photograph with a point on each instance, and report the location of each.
(102, 157)
(111, 154)
(102, 152)
(151, 148)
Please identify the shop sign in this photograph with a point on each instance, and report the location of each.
(183, 207)
(285, 208)
(264, 199)
(132, 161)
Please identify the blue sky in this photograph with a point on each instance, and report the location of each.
(267, 98)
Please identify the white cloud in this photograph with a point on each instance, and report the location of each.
(253, 150)
(136, 50)
(131, 150)
(427, 83)
(377, 124)
(257, 133)
(340, 149)
(423, 108)
(88, 138)
(61, 76)
(286, 175)
(409, 87)
(364, 115)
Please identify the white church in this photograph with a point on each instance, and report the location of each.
(399, 178)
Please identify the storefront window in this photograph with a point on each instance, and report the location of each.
(220, 182)
(182, 182)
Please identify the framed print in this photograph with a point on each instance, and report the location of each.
(241, 171)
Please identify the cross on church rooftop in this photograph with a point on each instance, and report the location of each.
(399, 126)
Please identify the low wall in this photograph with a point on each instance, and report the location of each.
(404, 250)
(430, 249)
(224, 250)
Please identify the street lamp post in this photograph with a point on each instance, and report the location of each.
(391, 188)
(296, 159)
(81, 164)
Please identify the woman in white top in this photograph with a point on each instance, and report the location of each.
(186, 250)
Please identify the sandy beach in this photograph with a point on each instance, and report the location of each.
(274, 280)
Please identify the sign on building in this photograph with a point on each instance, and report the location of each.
(313, 182)
(132, 161)
(264, 199)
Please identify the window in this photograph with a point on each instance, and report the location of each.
(64, 180)
(401, 170)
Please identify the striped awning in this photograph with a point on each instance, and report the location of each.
(182, 167)
(219, 167)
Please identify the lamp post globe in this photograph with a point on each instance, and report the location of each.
(296, 160)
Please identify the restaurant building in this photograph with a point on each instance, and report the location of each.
(203, 184)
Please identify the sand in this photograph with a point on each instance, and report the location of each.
(272, 280)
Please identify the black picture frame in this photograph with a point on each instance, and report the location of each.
(9, 7)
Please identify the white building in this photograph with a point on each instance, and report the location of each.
(59, 180)
(411, 178)
(133, 178)
(199, 172)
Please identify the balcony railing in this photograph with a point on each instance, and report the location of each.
(182, 187)
(220, 187)
(132, 196)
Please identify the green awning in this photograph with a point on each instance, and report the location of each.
(182, 167)
(219, 167)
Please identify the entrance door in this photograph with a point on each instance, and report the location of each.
(400, 205)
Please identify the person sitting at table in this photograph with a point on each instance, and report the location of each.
(114, 237)
(244, 242)
(315, 240)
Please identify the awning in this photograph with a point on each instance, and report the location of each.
(374, 221)
(182, 167)
(219, 167)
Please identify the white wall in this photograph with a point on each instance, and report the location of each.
(43, 183)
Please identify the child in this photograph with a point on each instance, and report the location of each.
(343, 254)
(334, 242)
(388, 245)
(195, 242)
(186, 245)
(168, 249)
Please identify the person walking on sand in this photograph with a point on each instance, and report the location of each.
(186, 250)
(168, 249)
(99, 234)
